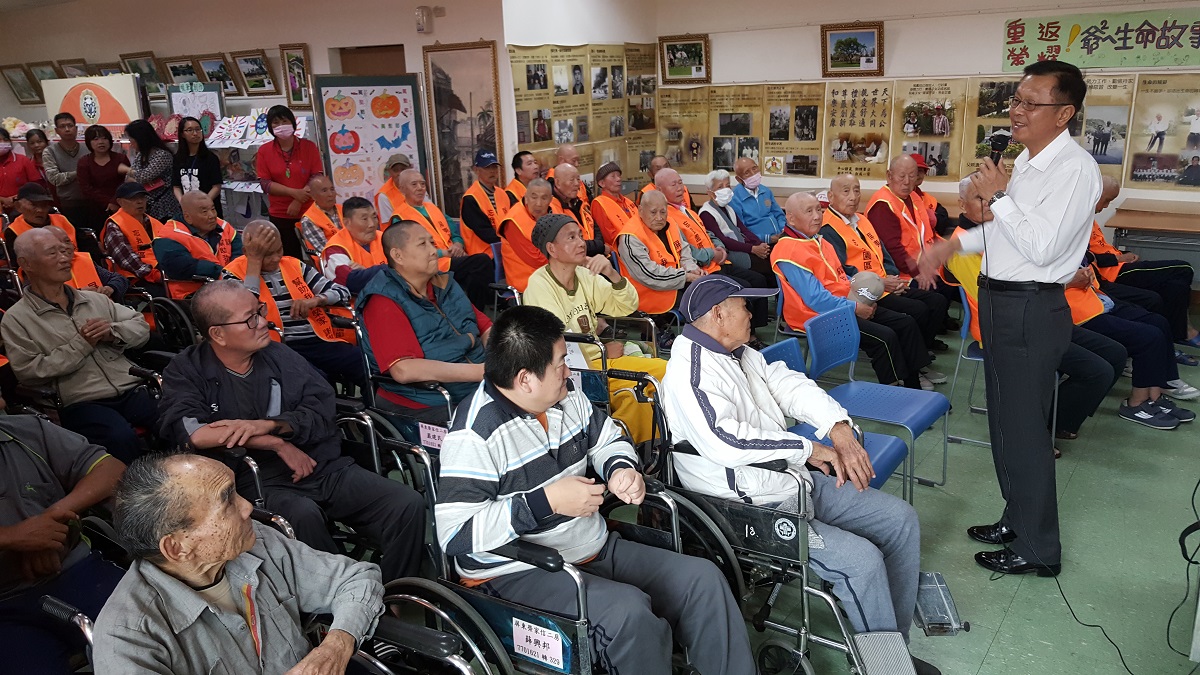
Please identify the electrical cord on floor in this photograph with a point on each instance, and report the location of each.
(1187, 589)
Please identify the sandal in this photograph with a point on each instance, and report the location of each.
(1192, 341)
(1185, 359)
(1057, 454)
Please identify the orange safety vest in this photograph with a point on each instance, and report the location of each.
(616, 212)
(367, 257)
(83, 273)
(517, 188)
(321, 220)
(691, 227)
(293, 279)
(395, 197)
(864, 252)
(585, 210)
(198, 249)
(139, 237)
(516, 270)
(19, 226)
(916, 232)
(930, 203)
(650, 300)
(815, 256)
(1098, 245)
(1085, 304)
(687, 195)
(471, 241)
(439, 228)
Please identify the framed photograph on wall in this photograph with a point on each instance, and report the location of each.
(852, 49)
(296, 64)
(113, 68)
(685, 59)
(217, 68)
(74, 68)
(154, 78)
(255, 70)
(43, 70)
(462, 87)
(22, 83)
(180, 69)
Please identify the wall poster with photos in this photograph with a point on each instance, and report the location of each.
(607, 88)
(792, 139)
(571, 103)
(1104, 122)
(683, 129)
(532, 95)
(1164, 136)
(928, 121)
(735, 121)
(857, 128)
(685, 59)
(986, 114)
(641, 83)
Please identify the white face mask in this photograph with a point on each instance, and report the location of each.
(723, 196)
(5, 148)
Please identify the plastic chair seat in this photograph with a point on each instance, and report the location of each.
(887, 453)
(913, 409)
(974, 352)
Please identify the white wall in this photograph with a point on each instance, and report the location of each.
(579, 22)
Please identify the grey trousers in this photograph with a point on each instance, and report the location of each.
(638, 598)
(872, 553)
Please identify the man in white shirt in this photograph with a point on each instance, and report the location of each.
(1038, 236)
(1158, 132)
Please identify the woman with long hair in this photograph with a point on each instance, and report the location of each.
(35, 142)
(99, 174)
(150, 164)
(196, 167)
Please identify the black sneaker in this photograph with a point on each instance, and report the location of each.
(1167, 406)
(1147, 414)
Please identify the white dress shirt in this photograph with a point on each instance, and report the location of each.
(1041, 228)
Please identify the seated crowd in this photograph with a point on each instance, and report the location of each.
(389, 300)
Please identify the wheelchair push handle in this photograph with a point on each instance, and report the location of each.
(542, 557)
(343, 322)
(410, 637)
(61, 610)
(631, 375)
(143, 373)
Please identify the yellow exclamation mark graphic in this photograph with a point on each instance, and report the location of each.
(1074, 34)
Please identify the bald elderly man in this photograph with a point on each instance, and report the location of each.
(754, 202)
(570, 198)
(657, 163)
(199, 245)
(568, 154)
(901, 220)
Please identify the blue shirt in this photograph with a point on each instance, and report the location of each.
(762, 215)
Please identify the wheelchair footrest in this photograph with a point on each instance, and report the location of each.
(883, 653)
(936, 613)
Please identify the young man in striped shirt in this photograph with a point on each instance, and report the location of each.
(513, 467)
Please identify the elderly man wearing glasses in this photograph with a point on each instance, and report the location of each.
(238, 388)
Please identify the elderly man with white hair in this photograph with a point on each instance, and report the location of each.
(723, 397)
(745, 249)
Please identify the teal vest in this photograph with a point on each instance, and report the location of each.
(447, 330)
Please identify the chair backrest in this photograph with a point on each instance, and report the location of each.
(788, 351)
(499, 266)
(964, 331)
(832, 340)
(792, 276)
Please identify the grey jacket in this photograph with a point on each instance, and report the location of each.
(154, 623)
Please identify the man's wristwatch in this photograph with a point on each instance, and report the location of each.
(1000, 194)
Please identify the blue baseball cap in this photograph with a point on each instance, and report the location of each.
(485, 158)
(711, 290)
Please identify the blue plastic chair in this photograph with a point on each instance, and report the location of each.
(781, 326)
(972, 352)
(508, 293)
(833, 341)
(887, 453)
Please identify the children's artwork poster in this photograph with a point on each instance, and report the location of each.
(683, 129)
(735, 121)
(639, 150)
(606, 85)
(570, 105)
(1148, 38)
(641, 86)
(985, 116)
(203, 100)
(928, 121)
(363, 121)
(792, 138)
(857, 125)
(532, 95)
(1104, 127)
(1164, 132)
(109, 100)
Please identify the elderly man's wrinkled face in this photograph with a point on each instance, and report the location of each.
(417, 257)
(45, 257)
(735, 318)
(245, 330)
(221, 527)
(568, 246)
(672, 187)
(35, 213)
(134, 206)
(537, 201)
(363, 225)
(323, 192)
(412, 186)
(903, 177)
(804, 214)
(845, 193)
(975, 206)
(488, 175)
(566, 181)
(612, 183)
(199, 212)
(653, 212)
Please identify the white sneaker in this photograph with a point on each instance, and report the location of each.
(1128, 372)
(927, 385)
(934, 376)
(1181, 391)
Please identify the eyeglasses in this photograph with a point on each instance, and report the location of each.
(193, 130)
(1016, 103)
(253, 321)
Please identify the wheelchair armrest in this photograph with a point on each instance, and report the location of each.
(502, 288)
(273, 520)
(204, 279)
(631, 375)
(542, 557)
(653, 486)
(37, 393)
(154, 360)
(430, 385)
(348, 406)
(340, 321)
(685, 448)
(143, 373)
(583, 339)
(419, 639)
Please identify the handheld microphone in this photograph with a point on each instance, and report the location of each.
(1000, 142)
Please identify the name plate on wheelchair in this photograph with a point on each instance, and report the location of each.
(431, 436)
(538, 643)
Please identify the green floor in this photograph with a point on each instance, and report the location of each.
(1124, 495)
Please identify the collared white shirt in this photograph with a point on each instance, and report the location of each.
(1041, 228)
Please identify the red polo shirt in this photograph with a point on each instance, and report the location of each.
(292, 169)
(15, 171)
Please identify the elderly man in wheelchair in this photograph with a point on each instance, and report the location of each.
(729, 404)
(513, 467)
(213, 591)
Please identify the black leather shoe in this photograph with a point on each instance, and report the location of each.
(1006, 561)
(939, 346)
(995, 534)
(924, 667)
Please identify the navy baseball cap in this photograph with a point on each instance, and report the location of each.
(711, 290)
(34, 193)
(485, 158)
(130, 190)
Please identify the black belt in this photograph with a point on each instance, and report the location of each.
(1016, 286)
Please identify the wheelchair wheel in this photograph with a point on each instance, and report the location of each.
(776, 657)
(173, 324)
(446, 611)
(702, 538)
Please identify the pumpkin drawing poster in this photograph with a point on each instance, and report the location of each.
(363, 125)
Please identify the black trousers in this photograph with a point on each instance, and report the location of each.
(1170, 279)
(110, 422)
(288, 236)
(748, 278)
(1146, 337)
(475, 273)
(928, 308)
(894, 344)
(1093, 364)
(1026, 333)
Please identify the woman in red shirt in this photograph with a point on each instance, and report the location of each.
(284, 166)
(15, 171)
(35, 143)
(98, 174)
